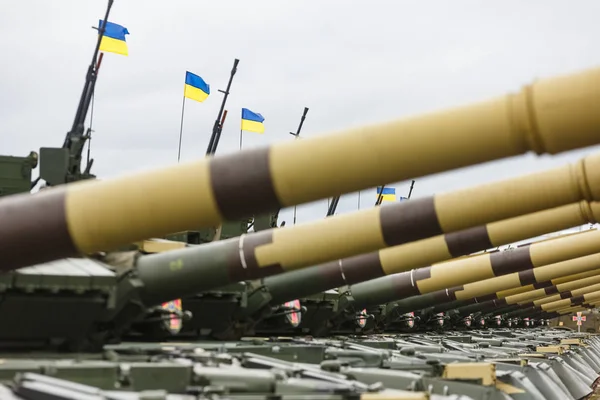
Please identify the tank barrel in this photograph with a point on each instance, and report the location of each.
(489, 286)
(86, 217)
(352, 270)
(571, 309)
(536, 297)
(477, 268)
(273, 251)
(555, 292)
(195, 269)
(566, 296)
(185, 272)
(489, 305)
(554, 281)
(574, 301)
(548, 293)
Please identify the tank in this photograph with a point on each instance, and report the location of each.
(93, 304)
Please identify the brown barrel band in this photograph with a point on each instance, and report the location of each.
(409, 221)
(451, 293)
(509, 261)
(551, 290)
(231, 253)
(242, 184)
(330, 274)
(527, 277)
(361, 268)
(248, 268)
(468, 241)
(34, 229)
(577, 300)
(566, 295)
(542, 285)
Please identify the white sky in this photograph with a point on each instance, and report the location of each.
(351, 62)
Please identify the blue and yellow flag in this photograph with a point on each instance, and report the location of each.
(113, 40)
(388, 194)
(252, 122)
(195, 87)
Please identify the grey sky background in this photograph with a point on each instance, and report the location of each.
(351, 62)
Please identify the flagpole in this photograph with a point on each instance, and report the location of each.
(359, 199)
(241, 130)
(181, 126)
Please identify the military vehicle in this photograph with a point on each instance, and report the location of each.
(83, 293)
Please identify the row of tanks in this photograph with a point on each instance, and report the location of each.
(108, 293)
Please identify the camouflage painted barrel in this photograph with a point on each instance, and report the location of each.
(549, 116)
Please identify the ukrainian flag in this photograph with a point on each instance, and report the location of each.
(388, 194)
(252, 122)
(195, 87)
(113, 40)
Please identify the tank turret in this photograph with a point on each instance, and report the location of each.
(15, 173)
(88, 216)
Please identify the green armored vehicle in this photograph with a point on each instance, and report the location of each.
(83, 295)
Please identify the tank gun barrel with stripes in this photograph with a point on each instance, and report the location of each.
(348, 271)
(575, 296)
(583, 300)
(490, 286)
(271, 252)
(524, 304)
(515, 267)
(550, 116)
(522, 293)
(532, 297)
(556, 257)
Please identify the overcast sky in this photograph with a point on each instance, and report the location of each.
(351, 62)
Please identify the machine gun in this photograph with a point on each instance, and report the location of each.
(220, 121)
(63, 165)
